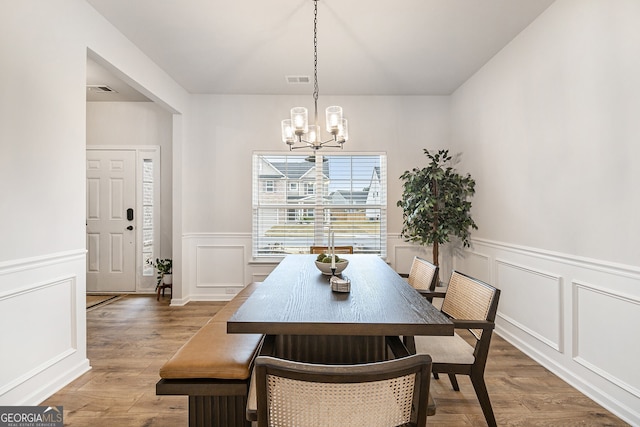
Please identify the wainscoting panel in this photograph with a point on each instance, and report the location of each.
(477, 262)
(217, 266)
(575, 316)
(259, 277)
(404, 253)
(583, 333)
(596, 345)
(401, 253)
(531, 300)
(56, 337)
(220, 266)
(43, 334)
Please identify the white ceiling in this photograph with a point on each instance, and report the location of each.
(97, 75)
(365, 47)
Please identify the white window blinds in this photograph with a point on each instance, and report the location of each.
(307, 196)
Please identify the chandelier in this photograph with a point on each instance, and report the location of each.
(297, 129)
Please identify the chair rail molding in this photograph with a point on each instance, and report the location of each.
(25, 264)
(202, 283)
(571, 314)
(42, 298)
(567, 259)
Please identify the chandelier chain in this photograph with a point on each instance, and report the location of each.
(298, 128)
(316, 88)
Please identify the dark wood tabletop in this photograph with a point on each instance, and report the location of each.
(296, 299)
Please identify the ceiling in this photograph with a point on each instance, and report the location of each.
(365, 47)
(98, 77)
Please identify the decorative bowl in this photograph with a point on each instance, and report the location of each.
(325, 267)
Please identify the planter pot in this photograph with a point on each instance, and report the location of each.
(325, 267)
(167, 279)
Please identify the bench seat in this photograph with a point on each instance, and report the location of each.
(213, 368)
(212, 353)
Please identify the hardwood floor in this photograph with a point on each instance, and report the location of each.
(130, 339)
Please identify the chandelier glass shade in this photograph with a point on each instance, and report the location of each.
(297, 129)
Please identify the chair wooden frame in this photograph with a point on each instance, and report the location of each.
(269, 370)
(423, 277)
(325, 249)
(472, 305)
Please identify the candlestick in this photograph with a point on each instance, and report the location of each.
(333, 248)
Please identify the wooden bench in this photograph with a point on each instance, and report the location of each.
(213, 368)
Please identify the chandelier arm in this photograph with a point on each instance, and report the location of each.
(339, 142)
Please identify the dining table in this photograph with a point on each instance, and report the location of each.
(306, 320)
(303, 319)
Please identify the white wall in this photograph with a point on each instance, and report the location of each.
(553, 123)
(44, 47)
(223, 132)
(549, 129)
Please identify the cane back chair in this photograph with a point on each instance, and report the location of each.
(472, 305)
(381, 394)
(336, 250)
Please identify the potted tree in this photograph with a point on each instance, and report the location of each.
(163, 266)
(435, 203)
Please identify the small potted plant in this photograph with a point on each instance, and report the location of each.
(163, 266)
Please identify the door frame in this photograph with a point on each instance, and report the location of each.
(143, 283)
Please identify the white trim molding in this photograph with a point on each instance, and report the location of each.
(540, 313)
(43, 297)
(618, 363)
(218, 265)
(574, 315)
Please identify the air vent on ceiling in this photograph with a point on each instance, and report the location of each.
(293, 80)
(100, 89)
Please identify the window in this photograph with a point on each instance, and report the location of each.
(147, 216)
(309, 187)
(346, 195)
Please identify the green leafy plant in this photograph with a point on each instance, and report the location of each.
(163, 266)
(435, 203)
(326, 258)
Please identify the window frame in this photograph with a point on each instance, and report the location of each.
(319, 205)
(269, 186)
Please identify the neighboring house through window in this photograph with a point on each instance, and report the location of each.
(296, 203)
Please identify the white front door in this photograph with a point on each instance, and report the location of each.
(111, 234)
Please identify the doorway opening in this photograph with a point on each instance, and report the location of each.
(129, 180)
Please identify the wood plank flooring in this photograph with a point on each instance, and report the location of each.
(96, 300)
(130, 339)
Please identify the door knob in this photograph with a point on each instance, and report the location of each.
(130, 227)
